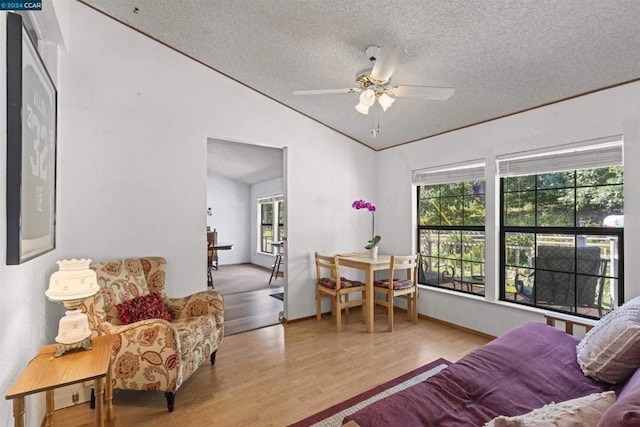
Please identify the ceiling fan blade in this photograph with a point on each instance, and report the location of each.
(325, 91)
(386, 63)
(427, 92)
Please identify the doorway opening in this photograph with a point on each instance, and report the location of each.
(246, 206)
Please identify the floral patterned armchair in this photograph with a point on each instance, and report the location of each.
(153, 354)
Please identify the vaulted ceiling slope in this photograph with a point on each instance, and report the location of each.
(246, 163)
(501, 56)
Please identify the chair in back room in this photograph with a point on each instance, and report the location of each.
(212, 255)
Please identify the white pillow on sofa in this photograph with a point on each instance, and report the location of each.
(582, 411)
(608, 352)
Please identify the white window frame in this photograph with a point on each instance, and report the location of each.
(589, 154)
(275, 199)
(473, 170)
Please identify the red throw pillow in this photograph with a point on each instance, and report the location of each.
(144, 307)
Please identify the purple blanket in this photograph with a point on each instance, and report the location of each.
(526, 368)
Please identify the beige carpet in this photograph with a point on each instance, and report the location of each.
(238, 278)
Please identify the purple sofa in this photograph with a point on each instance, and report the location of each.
(524, 369)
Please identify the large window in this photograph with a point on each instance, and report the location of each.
(270, 221)
(561, 228)
(451, 221)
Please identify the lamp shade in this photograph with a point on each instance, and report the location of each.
(368, 97)
(73, 280)
(73, 327)
(363, 109)
(385, 101)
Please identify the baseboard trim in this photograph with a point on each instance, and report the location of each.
(456, 326)
(286, 321)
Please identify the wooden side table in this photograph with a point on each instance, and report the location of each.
(46, 373)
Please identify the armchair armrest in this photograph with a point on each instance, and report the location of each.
(110, 328)
(148, 333)
(199, 304)
(146, 355)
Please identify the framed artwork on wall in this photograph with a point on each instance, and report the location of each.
(31, 148)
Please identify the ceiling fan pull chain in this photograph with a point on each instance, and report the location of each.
(375, 124)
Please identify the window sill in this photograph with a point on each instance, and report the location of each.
(509, 305)
(452, 292)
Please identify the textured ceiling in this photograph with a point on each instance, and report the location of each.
(246, 163)
(501, 56)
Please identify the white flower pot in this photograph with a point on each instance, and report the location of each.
(373, 252)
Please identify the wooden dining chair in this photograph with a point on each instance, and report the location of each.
(399, 287)
(214, 252)
(330, 284)
(212, 255)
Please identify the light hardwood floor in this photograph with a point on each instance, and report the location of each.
(277, 375)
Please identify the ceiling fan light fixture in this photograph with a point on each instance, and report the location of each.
(374, 82)
(385, 101)
(367, 97)
(362, 109)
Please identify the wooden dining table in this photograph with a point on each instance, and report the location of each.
(362, 261)
(213, 246)
(223, 246)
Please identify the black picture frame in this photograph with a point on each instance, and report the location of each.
(31, 148)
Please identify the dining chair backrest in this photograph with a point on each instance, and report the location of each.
(331, 285)
(327, 267)
(212, 240)
(408, 263)
(397, 286)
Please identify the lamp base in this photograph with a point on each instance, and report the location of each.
(61, 349)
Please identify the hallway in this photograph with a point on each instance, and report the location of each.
(246, 292)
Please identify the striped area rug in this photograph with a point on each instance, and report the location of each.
(332, 417)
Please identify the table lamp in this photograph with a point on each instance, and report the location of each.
(71, 284)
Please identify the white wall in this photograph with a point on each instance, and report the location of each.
(133, 119)
(234, 215)
(137, 118)
(28, 319)
(605, 113)
(230, 204)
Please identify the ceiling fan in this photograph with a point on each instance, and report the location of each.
(374, 82)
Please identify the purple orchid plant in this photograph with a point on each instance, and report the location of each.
(362, 204)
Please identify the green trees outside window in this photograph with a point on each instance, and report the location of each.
(561, 239)
(557, 250)
(451, 220)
